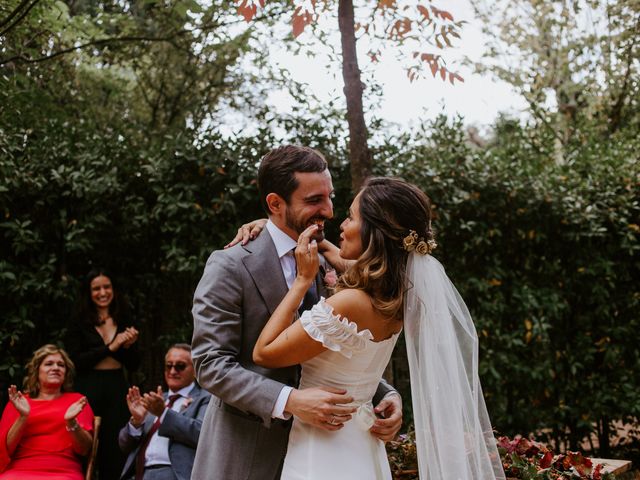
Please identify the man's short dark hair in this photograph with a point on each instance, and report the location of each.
(278, 167)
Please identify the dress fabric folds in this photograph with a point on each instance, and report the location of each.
(353, 362)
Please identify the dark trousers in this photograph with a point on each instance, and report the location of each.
(106, 391)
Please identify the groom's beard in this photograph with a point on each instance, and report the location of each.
(299, 226)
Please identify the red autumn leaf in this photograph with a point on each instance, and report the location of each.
(427, 57)
(442, 14)
(506, 443)
(300, 21)
(386, 3)
(443, 73)
(434, 68)
(581, 463)
(247, 10)
(597, 472)
(546, 460)
(424, 11)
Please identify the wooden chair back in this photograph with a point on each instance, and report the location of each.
(91, 463)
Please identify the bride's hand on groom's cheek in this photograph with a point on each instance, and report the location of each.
(387, 427)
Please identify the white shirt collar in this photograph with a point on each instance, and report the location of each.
(183, 392)
(283, 242)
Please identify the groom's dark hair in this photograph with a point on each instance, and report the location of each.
(276, 173)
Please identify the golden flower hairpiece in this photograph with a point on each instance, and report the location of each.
(413, 242)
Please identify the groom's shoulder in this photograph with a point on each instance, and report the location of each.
(261, 245)
(229, 255)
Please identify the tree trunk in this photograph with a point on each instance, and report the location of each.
(359, 154)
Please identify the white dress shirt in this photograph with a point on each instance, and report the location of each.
(284, 245)
(158, 449)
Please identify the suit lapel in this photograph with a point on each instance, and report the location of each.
(264, 267)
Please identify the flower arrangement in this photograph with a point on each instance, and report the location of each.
(403, 457)
(522, 459)
(529, 460)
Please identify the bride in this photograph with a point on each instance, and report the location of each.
(391, 282)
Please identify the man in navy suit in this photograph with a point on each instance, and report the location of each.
(162, 434)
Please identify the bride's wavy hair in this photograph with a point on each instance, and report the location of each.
(389, 209)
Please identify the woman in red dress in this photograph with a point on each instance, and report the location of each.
(45, 432)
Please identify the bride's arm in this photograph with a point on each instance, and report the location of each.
(282, 344)
(248, 231)
(332, 254)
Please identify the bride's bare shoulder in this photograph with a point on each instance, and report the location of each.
(351, 303)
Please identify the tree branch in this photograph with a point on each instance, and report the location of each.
(129, 39)
(19, 19)
(15, 12)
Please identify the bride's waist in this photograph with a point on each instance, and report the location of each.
(360, 393)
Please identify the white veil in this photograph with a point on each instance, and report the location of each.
(453, 433)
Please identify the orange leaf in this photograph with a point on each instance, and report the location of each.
(424, 11)
(386, 3)
(443, 73)
(442, 14)
(434, 68)
(300, 21)
(247, 10)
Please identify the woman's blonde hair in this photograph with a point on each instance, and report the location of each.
(389, 209)
(31, 384)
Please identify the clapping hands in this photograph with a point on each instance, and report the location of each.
(74, 410)
(19, 401)
(154, 402)
(139, 405)
(136, 407)
(124, 339)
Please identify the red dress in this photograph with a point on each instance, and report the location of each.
(45, 449)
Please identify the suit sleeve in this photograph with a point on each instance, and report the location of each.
(217, 341)
(185, 429)
(126, 441)
(383, 389)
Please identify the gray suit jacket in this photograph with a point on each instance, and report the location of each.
(183, 430)
(238, 292)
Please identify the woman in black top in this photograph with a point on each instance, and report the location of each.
(102, 343)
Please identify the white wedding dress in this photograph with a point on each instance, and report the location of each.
(353, 362)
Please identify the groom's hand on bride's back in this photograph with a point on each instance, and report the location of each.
(323, 407)
(389, 421)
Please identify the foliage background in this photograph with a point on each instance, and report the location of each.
(119, 155)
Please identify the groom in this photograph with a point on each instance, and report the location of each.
(245, 430)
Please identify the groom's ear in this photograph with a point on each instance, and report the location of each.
(275, 203)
